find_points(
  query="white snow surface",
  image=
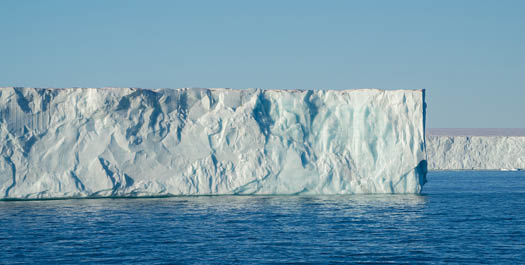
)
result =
(112, 142)
(459, 152)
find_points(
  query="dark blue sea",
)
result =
(461, 217)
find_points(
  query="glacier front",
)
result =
(476, 149)
(127, 142)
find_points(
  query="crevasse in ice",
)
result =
(80, 142)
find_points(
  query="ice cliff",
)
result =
(80, 142)
(492, 149)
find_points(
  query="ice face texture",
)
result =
(458, 152)
(77, 142)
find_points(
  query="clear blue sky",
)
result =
(469, 55)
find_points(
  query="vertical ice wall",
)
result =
(137, 142)
(476, 149)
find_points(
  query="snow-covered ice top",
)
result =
(78, 142)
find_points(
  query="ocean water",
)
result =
(461, 217)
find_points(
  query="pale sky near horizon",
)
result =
(468, 55)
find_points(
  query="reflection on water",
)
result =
(456, 220)
(343, 204)
(225, 203)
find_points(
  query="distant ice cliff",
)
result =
(476, 149)
(60, 143)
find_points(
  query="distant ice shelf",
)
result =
(80, 142)
(476, 149)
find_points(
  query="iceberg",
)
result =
(130, 142)
(476, 149)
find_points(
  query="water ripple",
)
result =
(453, 222)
